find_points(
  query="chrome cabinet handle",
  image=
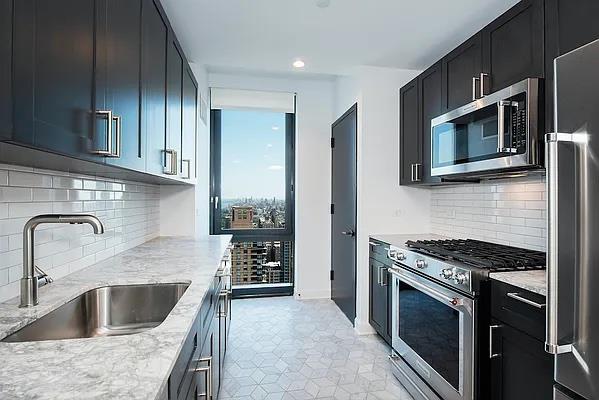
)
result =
(109, 119)
(491, 329)
(208, 371)
(374, 244)
(188, 162)
(517, 296)
(484, 77)
(475, 87)
(119, 130)
(382, 281)
(415, 175)
(224, 293)
(349, 233)
(171, 162)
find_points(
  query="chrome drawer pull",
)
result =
(208, 370)
(517, 296)
(491, 329)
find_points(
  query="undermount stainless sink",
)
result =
(105, 311)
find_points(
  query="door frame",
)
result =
(353, 108)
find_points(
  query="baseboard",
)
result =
(363, 327)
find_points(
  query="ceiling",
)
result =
(268, 35)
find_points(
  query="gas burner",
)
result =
(491, 256)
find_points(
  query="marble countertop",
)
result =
(533, 281)
(119, 367)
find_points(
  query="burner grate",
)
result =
(491, 256)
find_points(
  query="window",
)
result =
(252, 193)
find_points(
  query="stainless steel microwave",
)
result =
(492, 135)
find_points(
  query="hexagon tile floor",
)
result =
(286, 349)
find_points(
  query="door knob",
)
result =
(349, 233)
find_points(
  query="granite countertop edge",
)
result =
(119, 367)
(533, 281)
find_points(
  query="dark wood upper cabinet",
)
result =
(174, 99)
(568, 25)
(431, 95)
(513, 46)
(190, 126)
(460, 69)
(118, 78)
(155, 35)
(5, 69)
(409, 135)
(53, 75)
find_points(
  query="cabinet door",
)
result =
(190, 126)
(460, 68)
(153, 117)
(409, 134)
(174, 99)
(5, 69)
(431, 97)
(567, 27)
(513, 46)
(121, 64)
(378, 298)
(53, 75)
(521, 369)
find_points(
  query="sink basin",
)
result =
(105, 311)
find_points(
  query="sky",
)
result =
(253, 154)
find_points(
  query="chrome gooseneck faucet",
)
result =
(29, 282)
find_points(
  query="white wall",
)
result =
(383, 206)
(313, 169)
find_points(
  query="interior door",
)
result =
(572, 327)
(343, 213)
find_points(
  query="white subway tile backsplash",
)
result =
(130, 212)
(511, 212)
(29, 179)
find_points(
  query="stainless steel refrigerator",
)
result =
(573, 237)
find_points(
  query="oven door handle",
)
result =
(454, 301)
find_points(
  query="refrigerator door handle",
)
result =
(552, 340)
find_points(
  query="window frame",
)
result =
(215, 183)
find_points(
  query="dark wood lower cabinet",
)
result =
(198, 372)
(521, 369)
(379, 313)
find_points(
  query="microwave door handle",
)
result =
(501, 108)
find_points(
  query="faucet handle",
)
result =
(42, 277)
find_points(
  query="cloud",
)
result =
(275, 167)
(269, 145)
(275, 128)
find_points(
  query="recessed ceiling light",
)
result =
(298, 64)
(323, 3)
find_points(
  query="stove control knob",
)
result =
(460, 278)
(420, 263)
(446, 273)
(400, 256)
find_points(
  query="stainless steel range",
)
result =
(438, 304)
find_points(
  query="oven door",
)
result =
(433, 331)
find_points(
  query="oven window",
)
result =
(432, 330)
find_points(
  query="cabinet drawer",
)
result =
(519, 308)
(182, 373)
(378, 251)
